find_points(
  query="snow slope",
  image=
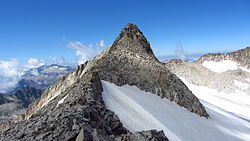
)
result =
(139, 110)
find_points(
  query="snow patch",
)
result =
(35, 72)
(61, 101)
(139, 110)
(248, 79)
(244, 69)
(241, 85)
(138, 56)
(221, 66)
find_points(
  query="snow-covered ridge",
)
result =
(139, 110)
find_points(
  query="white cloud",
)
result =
(84, 52)
(10, 73)
(33, 63)
(100, 44)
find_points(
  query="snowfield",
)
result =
(221, 66)
(241, 85)
(138, 110)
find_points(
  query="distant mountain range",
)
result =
(41, 77)
(29, 88)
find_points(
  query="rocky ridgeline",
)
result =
(241, 56)
(195, 73)
(73, 109)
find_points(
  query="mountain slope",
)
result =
(223, 72)
(222, 83)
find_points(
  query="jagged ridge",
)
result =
(241, 56)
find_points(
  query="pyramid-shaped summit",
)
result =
(130, 60)
(131, 39)
(73, 108)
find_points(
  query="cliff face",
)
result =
(73, 106)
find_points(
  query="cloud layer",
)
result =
(11, 72)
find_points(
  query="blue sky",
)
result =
(41, 28)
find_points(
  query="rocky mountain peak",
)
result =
(129, 61)
(132, 40)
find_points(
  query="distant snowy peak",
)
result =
(43, 76)
(47, 69)
(241, 56)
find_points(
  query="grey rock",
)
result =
(151, 135)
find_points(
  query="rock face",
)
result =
(73, 109)
(241, 56)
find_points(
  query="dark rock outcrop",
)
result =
(3, 99)
(16, 103)
(27, 95)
